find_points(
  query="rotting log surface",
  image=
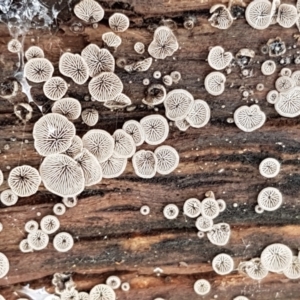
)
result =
(111, 236)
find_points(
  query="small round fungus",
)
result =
(102, 292)
(276, 257)
(157, 74)
(145, 210)
(146, 81)
(100, 143)
(55, 88)
(286, 72)
(25, 247)
(62, 175)
(156, 94)
(114, 282)
(105, 86)
(59, 209)
(1, 227)
(241, 298)
(69, 294)
(272, 96)
(139, 48)
(249, 118)
(1, 177)
(156, 129)
(215, 83)
(171, 211)
(76, 147)
(287, 15)
(269, 199)
(121, 101)
(68, 107)
(288, 104)
(260, 87)
(202, 287)
(293, 269)
(111, 39)
(210, 208)
(135, 129)
(70, 201)
(258, 14)
(124, 144)
(167, 80)
(14, 46)
(192, 208)
(204, 223)
(4, 265)
(255, 270)
(63, 242)
(269, 167)
(176, 76)
(24, 181)
(38, 239)
(167, 159)
(89, 11)
(268, 67)
(34, 52)
(296, 77)
(182, 125)
(8, 197)
(38, 70)
(258, 209)
(83, 296)
(219, 235)
(222, 204)
(125, 286)
(118, 22)
(221, 17)
(199, 114)
(284, 84)
(49, 224)
(144, 163)
(218, 59)
(139, 66)
(223, 264)
(90, 116)
(113, 167)
(31, 226)
(178, 104)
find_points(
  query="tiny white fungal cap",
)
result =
(102, 290)
(111, 39)
(215, 83)
(164, 43)
(69, 294)
(69, 201)
(8, 197)
(288, 104)
(176, 76)
(139, 48)
(34, 52)
(124, 144)
(156, 129)
(284, 84)
(204, 223)
(114, 282)
(90, 116)
(62, 175)
(296, 77)
(221, 17)
(59, 209)
(1, 177)
(89, 11)
(254, 269)
(167, 80)
(269, 167)
(145, 210)
(286, 72)
(90, 166)
(260, 87)
(38, 239)
(98, 60)
(24, 181)
(202, 287)
(167, 159)
(269, 199)
(268, 67)
(200, 234)
(223, 264)
(157, 74)
(139, 66)
(293, 269)
(218, 59)
(144, 163)
(76, 147)
(83, 296)
(125, 286)
(134, 128)
(49, 224)
(53, 133)
(14, 46)
(146, 81)
(249, 118)
(171, 211)
(1, 226)
(113, 167)
(118, 22)
(119, 102)
(4, 265)
(63, 242)
(100, 143)
(276, 257)
(38, 70)
(219, 235)
(258, 209)
(182, 125)
(55, 88)
(199, 115)
(287, 15)
(178, 104)
(105, 86)
(192, 208)
(258, 14)
(31, 226)
(222, 204)
(272, 96)
(241, 298)
(25, 247)
(156, 94)
(210, 208)
(68, 107)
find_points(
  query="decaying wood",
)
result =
(111, 236)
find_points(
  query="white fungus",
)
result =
(157, 74)
(192, 207)
(258, 14)
(258, 209)
(167, 159)
(118, 22)
(145, 210)
(59, 209)
(214, 83)
(176, 76)
(113, 167)
(219, 235)
(296, 77)
(120, 102)
(125, 286)
(222, 204)
(288, 104)
(269, 199)
(70, 201)
(31, 226)
(171, 211)
(223, 264)
(49, 224)
(139, 48)
(8, 197)
(124, 145)
(83, 296)
(286, 72)
(134, 128)
(89, 11)
(111, 39)
(221, 17)
(254, 269)
(156, 94)
(34, 52)
(199, 115)
(272, 96)
(4, 265)
(218, 59)
(210, 208)
(240, 298)
(204, 223)
(144, 163)
(69, 294)
(139, 66)
(268, 67)
(167, 80)
(269, 167)
(38, 70)
(114, 282)
(293, 269)
(202, 287)
(287, 15)
(76, 147)
(68, 107)
(102, 291)
(14, 46)
(63, 242)
(38, 239)
(25, 247)
(1, 177)
(55, 88)
(284, 84)
(90, 116)
(182, 125)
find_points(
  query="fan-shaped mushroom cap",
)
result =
(55, 88)
(4, 265)
(113, 281)
(199, 114)
(269, 167)
(119, 102)
(49, 224)
(118, 22)
(70, 201)
(105, 86)
(124, 144)
(219, 235)
(98, 60)
(296, 77)
(59, 209)
(156, 94)
(91, 167)
(102, 290)
(14, 46)
(63, 242)
(83, 296)
(38, 70)
(182, 125)
(89, 11)
(204, 224)
(68, 294)
(113, 167)
(76, 147)
(249, 118)
(156, 129)
(288, 104)
(269, 199)
(53, 133)
(210, 208)
(284, 84)
(38, 239)
(125, 286)
(223, 264)
(202, 287)
(135, 129)
(171, 211)
(164, 43)
(218, 59)
(192, 208)
(111, 39)
(272, 96)
(74, 66)
(215, 83)
(167, 80)
(259, 14)
(293, 269)
(8, 197)
(221, 17)
(139, 66)
(25, 248)
(139, 48)
(167, 159)
(176, 76)
(144, 163)
(68, 107)
(62, 175)
(254, 269)
(24, 180)
(286, 72)
(287, 15)
(34, 52)
(31, 226)
(178, 104)
(100, 143)
(90, 116)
